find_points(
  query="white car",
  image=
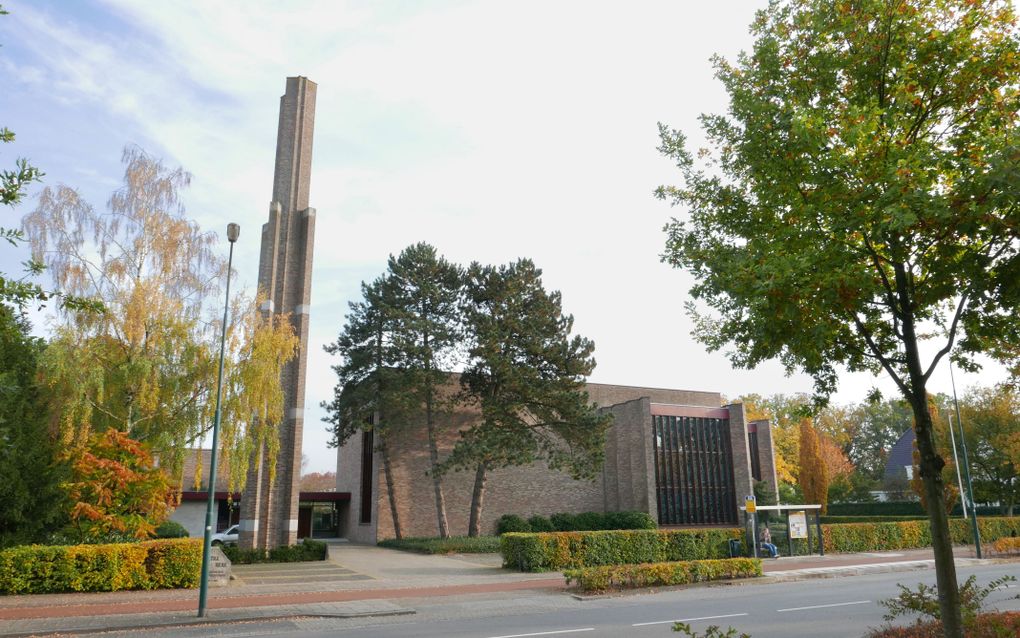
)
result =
(226, 537)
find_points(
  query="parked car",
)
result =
(226, 537)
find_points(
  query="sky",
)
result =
(492, 130)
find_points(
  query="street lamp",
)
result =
(233, 230)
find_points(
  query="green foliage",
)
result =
(512, 523)
(451, 545)
(858, 197)
(924, 601)
(607, 577)
(871, 519)
(539, 524)
(877, 537)
(894, 508)
(573, 550)
(712, 631)
(171, 529)
(162, 564)
(583, 522)
(32, 502)
(306, 550)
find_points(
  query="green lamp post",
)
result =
(233, 230)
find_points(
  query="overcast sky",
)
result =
(492, 130)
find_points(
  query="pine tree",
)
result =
(527, 374)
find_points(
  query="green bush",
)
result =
(306, 550)
(540, 524)
(874, 537)
(171, 529)
(511, 523)
(160, 564)
(452, 545)
(895, 508)
(606, 577)
(870, 519)
(564, 522)
(574, 550)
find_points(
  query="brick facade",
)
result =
(627, 481)
(269, 516)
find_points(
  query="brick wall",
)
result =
(766, 455)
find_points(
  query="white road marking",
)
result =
(663, 622)
(547, 633)
(856, 602)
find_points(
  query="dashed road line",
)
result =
(855, 602)
(663, 622)
(547, 633)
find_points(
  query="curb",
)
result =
(204, 622)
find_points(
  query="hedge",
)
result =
(452, 545)
(870, 519)
(583, 522)
(994, 624)
(607, 577)
(874, 537)
(306, 550)
(896, 508)
(161, 564)
(1007, 545)
(573, 550)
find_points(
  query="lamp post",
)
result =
(966, 469)
(233, 230)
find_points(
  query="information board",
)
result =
(798, 524)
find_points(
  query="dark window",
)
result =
(366, 476)
(752, 443)
(694, 482)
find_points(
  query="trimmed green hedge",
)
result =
(870, 519)
(306, 550)
(161, 564)
(605, 577)
(573, 550)
(896, 508)
(452, 545)
(874, 537)
(583, 522)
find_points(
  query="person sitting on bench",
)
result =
(765, 539)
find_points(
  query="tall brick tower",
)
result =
(269, 509)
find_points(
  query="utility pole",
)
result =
(966, 468)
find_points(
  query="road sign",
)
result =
(749, 504)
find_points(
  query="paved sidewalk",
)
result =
(358, 580)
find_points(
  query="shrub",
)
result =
(563, 522)
(894, 508)
(541, 524)
(872, 537)
(870, 519)
(574, 550)
(306, 550)
(511, 523)
(1007, 545)
(990, 625)
(605, 577)
(589, 521)
(161, 564)
(630, 520)
(452, 545)
(171, 529)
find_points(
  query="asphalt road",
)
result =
(836, 607)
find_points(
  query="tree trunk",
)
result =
(384, 450)
(437, 481)
(931, 470)
(477, 498)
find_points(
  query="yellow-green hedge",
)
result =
(1007, 545)
(605, 577)
(873, 537)
(161, 564)
(573, 550)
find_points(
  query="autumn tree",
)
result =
(859, 197)
(814, 475)
(526, 372)
(115, 490)
(146, 366)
